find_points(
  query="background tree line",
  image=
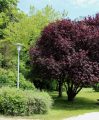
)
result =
(18, 27)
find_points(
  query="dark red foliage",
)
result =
(92, 21)
(69, 51)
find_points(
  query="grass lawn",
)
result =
(85, 102)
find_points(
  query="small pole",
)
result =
(19, 46)
(18, 69)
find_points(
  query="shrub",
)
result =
(9, 78)
(27, 102)
(38, 102)
(25, 84)
(1, 59)
(12, 101)
(96, 87)
(3, 77)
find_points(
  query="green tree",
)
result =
(8, 13)
(28, 30)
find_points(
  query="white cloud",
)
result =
(85, 2)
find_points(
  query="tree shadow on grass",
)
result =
(80, 103)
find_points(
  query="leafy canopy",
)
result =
(68, 51)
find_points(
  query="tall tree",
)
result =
(64, 52)
(28, 30)
(9, 14)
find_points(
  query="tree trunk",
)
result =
(72, 89)
(71, 95)
(60, 84)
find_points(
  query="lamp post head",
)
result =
(19, 46)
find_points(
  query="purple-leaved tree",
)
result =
(68, 51)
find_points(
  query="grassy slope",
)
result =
(84, 102)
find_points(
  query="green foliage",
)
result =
(28, 30)
(12, 101)
(40, 101)
(6, 53)
(42, 84)
(6, 5)
(96, 87)
(1, 59)
(18, 102)
(8, 13)
(24, 84)
(9, 78)
(3, 77)
(15, 27)
(25, 31)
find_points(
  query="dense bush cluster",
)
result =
(9, 78)
(96, 87)
(19, 102)
(12, 101)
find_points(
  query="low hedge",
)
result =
(27, 102)
(96, 87)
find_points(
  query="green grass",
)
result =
(84, 102)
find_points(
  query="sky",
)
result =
(75, 8)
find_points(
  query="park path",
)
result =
(87, 116)
(2, 118)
